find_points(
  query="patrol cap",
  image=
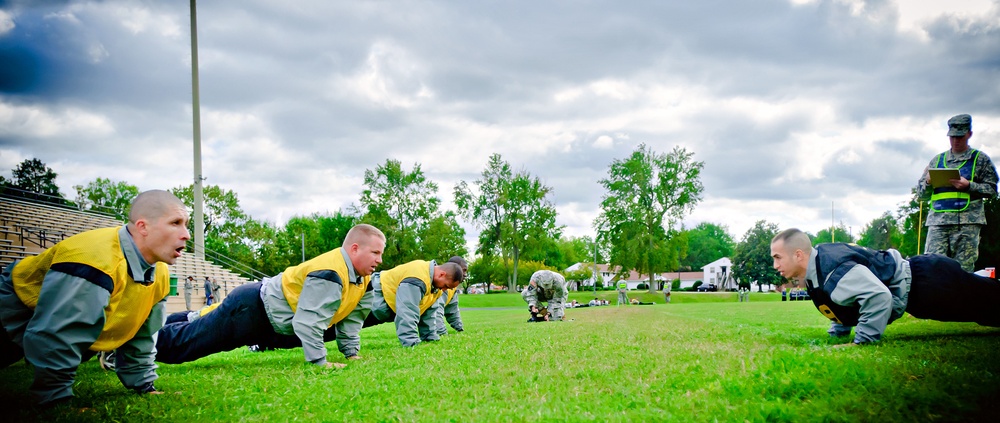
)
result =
(959, 125)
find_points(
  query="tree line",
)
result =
(647, 194)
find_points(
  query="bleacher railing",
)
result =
(45, 238)
(41, 237)
(35, 198)
(230, 263)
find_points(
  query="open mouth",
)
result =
(179, 251)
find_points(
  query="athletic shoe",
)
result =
(107, 360)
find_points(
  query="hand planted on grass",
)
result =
(330, 365)
(847, 345)
(354, 357)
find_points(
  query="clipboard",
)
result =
(940, 177)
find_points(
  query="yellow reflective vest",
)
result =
(417, 269)
(293, 278)
(97, 257)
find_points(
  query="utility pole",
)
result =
(199, 218)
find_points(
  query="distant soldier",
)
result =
(957, 212)
(549, 287)
(666, 292)
(408, 294)
(208, 292)
(215, 290)
(188, 287)
(448, 303)
(622, 293)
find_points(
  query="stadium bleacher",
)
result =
(28, 228)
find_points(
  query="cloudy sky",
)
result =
(793, 105)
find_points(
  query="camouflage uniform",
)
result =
(547, 286)
(956, 234)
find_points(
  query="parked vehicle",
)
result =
(708, 288)
(798, 295)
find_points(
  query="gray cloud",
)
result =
(294, 95)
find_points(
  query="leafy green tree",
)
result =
(263, 250)
(107, 196)
(577, 277)
(707, 242)
(577, 250)
(232, 235)
(881, 233)
(840, 234)
(34, 180)
(512, 211)
(648, 192)
(333, 229)
(223, 214)
(752, 260)
(486, 207)
(485, 270)
(404, 205)
(400, 203)
(912, 216)
(443, 238)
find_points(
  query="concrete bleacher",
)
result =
(28, 228)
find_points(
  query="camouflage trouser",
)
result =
(960, 242)
(556, 310)
(622, 297)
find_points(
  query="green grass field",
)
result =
(687, 361)
(583, 297)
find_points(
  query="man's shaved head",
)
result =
(454, 271)
(794, 239)
(361, 234)
(152, 205)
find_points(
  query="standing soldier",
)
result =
(208, 292)
(666, 291)
(188, 287)
(215, 290)
(546, 286)
(957, 213)
(622, 292)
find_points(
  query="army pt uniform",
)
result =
(549, 287)
(89, 293)
(956, 217)
(449, 311)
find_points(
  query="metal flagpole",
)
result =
(199, 219)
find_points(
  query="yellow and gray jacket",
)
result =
(406, 295)
(448, 310)
(88, 293)
(307, 299)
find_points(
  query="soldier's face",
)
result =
(961, 143)
(443, 282)
(789, 264)
(367, 256)
(163, 239)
